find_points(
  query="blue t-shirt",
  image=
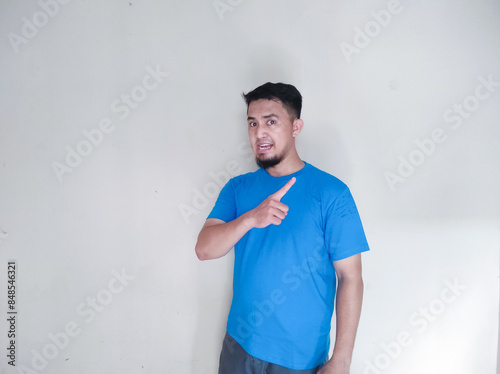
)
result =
(284, 282)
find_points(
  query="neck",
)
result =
(289, 165)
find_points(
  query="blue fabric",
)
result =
(284, 282)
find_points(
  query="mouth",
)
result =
(264, 147)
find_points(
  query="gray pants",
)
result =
(234, 360)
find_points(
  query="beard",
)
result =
(270, 162)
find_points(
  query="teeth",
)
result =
(264, 145)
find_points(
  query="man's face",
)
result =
(270, 131)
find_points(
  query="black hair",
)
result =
(286, 93)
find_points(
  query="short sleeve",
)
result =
(225, 206)
(344, 234)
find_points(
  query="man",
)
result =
(294, 228)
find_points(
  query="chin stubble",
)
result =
(265, 164)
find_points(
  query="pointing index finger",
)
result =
(278, 195)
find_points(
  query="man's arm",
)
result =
(348, 310)
(217, 237)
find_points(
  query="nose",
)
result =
(261, 132)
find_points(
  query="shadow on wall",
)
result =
(322, 145)
(214, 301)
(270, 64)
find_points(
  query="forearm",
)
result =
(348, 310)
(217, 240)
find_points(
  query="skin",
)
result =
(348, 310)
(270, 123)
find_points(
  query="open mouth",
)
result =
(264, 147)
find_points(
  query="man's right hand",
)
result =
(217, 237)
(271, 210)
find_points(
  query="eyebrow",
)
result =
(266, 116)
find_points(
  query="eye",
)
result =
(271, 122)
(252, 124)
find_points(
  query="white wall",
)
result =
(118, 208)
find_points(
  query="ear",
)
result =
(297, 126)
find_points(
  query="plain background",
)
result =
(136, 201)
